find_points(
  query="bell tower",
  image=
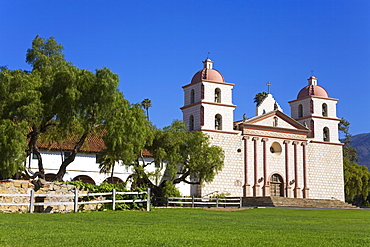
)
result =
(314, 109)
(208, 101)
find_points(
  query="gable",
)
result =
(275, 121)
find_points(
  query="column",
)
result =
(296, 187)
(305, 188)
(266, 185)
(256, 187)
(246, 191)
(288, 188)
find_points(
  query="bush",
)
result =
(106, 187)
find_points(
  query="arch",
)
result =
(113, 180)
(217, 95)
(312, 128)
(326, 135)
(191, 123)
(85, 179)
(300, 111)
(275, 149)
(192, 96)
(218, 122)
(49, 176)
(276, 185)
(324, 110)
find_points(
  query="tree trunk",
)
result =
(63, 168)
(33, 149)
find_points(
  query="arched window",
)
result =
(191, 123)
(326, 136)
(218, 122)
(311, 107)
(192, 96)
(312, 128)
(218, 95)
(300, 111)
(324, 110)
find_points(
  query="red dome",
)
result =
(207, 75)
(312, 90)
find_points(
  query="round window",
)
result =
(275, 148)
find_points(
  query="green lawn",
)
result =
(189, 227)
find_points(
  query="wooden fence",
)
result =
(75, 199)
(235, 202)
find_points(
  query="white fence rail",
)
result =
(75, 199)
(199, 202)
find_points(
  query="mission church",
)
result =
(271, 154)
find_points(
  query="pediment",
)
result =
(274, 120)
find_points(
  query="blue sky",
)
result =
(157, 46)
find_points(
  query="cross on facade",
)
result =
(312, 72)
(268, 87)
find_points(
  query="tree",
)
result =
(188, 158)
(146, 103)
(356, 177)
(349, 152)
(356, 182)
(259, 98)
(57, 100)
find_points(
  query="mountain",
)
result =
(362, 143)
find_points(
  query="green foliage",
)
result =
(220, 195)
(12, 146)
(57, 101)
(356, 182)
(146, 104)
(356, 177)
(107, 187)
(170, 190)
(349, 152)
(188, 155)
(259, 98)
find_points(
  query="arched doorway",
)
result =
(49, 176)
(276, 185)
(85, 179)
(113, 180)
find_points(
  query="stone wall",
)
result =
(50, 189)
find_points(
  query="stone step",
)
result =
(273, 201)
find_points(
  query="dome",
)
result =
(312, 90)
(207, 74)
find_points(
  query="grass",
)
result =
(189, 227)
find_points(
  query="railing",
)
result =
(198, 202)
(75, 199)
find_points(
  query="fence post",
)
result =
(148, 200)
(216, 202)
(192, 201)
(241, 202)
(114, 199)
(32, 200)
(167, 202)
(76, 201)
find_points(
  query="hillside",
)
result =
(362, 143)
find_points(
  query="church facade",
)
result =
(271, 154)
